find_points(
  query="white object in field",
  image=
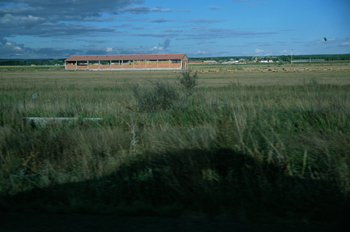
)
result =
(35, 95)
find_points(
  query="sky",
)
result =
(32, 29)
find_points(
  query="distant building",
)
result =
(227, 62)
(127, 62)
(195, 61)
(210, 61)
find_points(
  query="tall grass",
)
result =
(248, 150)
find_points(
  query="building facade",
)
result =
(127, 62)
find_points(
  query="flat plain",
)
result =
(251, 142)
(210, 75)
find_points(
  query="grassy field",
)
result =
(255, 142)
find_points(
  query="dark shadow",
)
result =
(214, 182)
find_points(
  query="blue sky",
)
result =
(58, 29)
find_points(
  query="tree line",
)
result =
(25, 62)
(286, 58)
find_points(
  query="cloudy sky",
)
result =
(58, 29)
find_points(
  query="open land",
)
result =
(262, 143)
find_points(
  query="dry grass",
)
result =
(248, 75)
(251, 142)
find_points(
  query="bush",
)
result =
(163, 95)
(158, 96)
(189, 81)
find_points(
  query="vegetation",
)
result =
(11, 62)
(189, 82)
(245, 149)
(160, 96)
(285, 58)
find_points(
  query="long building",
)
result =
(127, 62)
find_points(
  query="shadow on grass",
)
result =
(214, 182)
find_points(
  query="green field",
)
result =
(250, 141)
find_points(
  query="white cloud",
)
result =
(109, 49)
(345, 44)
(162, 46)
(200, 52)
(24, 21)
(147, 9)
(156, 48)
(214, 7)
(258, 50)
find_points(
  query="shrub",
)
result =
(158, 96)
(189, 81)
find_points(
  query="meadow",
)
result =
(254, 142)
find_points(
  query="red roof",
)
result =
(128, 57)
